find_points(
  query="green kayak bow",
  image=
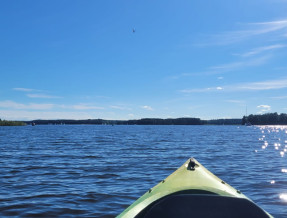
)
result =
(193, 191)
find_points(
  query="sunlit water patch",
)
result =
(276, 154)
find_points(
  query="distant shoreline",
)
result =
(145, 121)
(263, 119)
(12, 123)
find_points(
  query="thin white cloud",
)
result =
(263, 108)
(35, 93)
(265, 27)
(279, 97)
(240, 64)
(225, 68)
(262, 49)
(229, 66)
(182, 75)
(194, 107)
(250, 30)
(91, 97)
(19, 106)
(86, 107)
(41, 96)
(119, 107)
(264, 85)
(26, 90)
(210, 89)
(240, 102)
(32, 115)
(252, 86)
(148, 108)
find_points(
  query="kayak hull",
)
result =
(193, 189)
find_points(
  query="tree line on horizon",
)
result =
(144, 121)
(11, 123)
(262, 119)
(266, 119)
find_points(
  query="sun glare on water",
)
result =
(279, 145)
(276, 136)
(283, 197)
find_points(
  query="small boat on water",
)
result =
(193, 191)
(248, 124)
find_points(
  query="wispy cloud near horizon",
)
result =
(263, 108)
(264, 85)
(240, 102)
(248, 31)
(26, 90)
(42, 96)
(86, 107)
(35, 93)
(119, 107)
(251, 86)
(226, 68)
(240, 64)
(210, 89)
(262, 49)
(34, 106)
(148, 108)
(279, 97)
(48, 115)
(19, 106)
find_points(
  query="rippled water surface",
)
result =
(97, 171)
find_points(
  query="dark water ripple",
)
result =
(97, 171)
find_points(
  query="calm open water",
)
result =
(97, 171)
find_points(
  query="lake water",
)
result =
(97, 171)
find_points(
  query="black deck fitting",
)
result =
(191, 165)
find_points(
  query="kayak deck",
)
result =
(193, 191)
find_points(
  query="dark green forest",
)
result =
(263, 119)
(145, 121)
(266, 119)
(11, 123)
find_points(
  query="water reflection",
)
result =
(276, 136)
(283, 197)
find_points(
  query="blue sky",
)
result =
(69, 59)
